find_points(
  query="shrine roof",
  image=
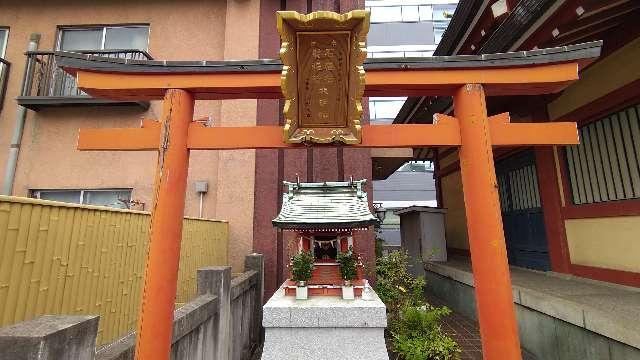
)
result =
(581, 53)
(328, 205)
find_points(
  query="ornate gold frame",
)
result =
(290, 23)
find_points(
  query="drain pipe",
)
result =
(21, 116)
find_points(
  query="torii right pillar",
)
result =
(496, 313)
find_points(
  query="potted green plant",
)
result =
(348, 270)
(301, 269)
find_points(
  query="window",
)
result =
(115, 198)
(402, 29)
(438, 31)
(442, 15)
(384, 109)
(518, 189)
(417, 166)
(605, 166)
(443, 12)
(386, 14)
(4, 65)
(4, 36)
(377, 51)
(409, 11)
(104, 38)
(134, 37)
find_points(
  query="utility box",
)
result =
(201, 186)
(422, 235)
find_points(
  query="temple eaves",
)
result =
(328, 205)
(584, 54)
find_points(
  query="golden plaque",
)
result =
(322, 75)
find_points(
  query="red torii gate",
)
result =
(468, 79)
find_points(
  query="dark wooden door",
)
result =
(522, 211)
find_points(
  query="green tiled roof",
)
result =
(329, 205)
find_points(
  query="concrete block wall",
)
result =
(223, 322)
(50, 337)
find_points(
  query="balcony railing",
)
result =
(4, 77)
(46, 84)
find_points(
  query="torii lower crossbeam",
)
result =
(444, 132)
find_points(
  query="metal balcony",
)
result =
(47, 85)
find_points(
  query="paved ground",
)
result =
(466, 333)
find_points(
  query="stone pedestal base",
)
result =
(323, 327)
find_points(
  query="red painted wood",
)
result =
(344, 244)
(604, 209)
(614, 276)
(564, 14)
(493, 291)
(487, 23)
(551, 209)
(325, 275)
(306, 243)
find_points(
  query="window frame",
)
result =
(36, 194)
(5, 65)
(422, 16)
(103, 27)
(3, 45)
(623, 207)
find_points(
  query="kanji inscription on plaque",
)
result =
(323, 79)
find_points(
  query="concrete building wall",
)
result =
(185, 30)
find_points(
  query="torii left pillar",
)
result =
(155, 323)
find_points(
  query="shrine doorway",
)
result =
(522, 214)
(325, 248)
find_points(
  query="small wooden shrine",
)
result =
(325, 217)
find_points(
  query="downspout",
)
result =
(21, 116)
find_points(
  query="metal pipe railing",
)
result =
(51, 81)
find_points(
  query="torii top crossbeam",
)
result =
(467, 78)
(542, 71)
